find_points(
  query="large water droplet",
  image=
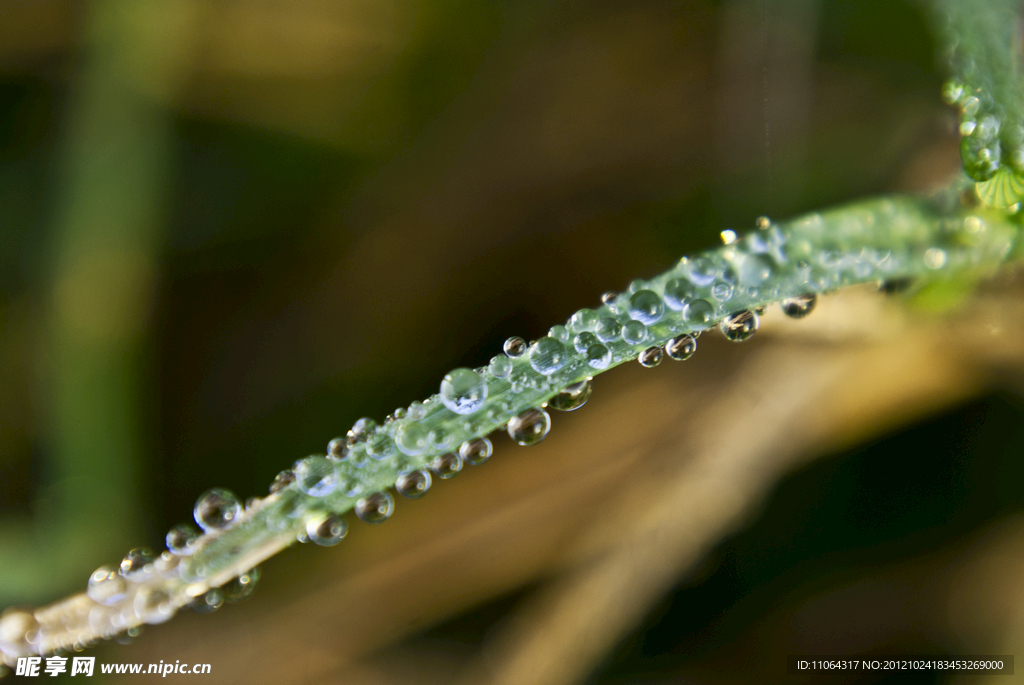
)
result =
(106, 586)
(754, 269)
(740, 326)
(530, 427)
(208, 602)
(137, 563)
(634, 332)
(216, 509)
(608, 329)
(316, 476)
(701, 270)
(559, 333)
(327, 530)
(361, 429)
(153, 605)
(699, 314)
(500, 366)
(18, 631)
(463, 391)
(181, 539)
(598, 356)
(800, 306)
(681, 347)
(583, 341)
(547, 355)
(477, 451)
(414, 484)
(242, 587)
(646, 307)
(650, 357)
(678, 292)
(583, 320)
(375, 508)
(447, 465)
(411, 439)
(337, 449)
(514, 347)
(380, 446)
(572, 397)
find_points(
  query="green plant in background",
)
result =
(941, 245)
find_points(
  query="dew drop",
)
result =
(417, 410)
(282, 480)
(701, 270)
(699, 314)
(721, 291)
(678, 292)
(763, 223)
(598, 356)
(327, 531)
(208, 602)
(754, 269)
(153, 605)
(608, 330)
(500, 366)
(316, 476)
(650, 357)
(361, 430)
(18, 630)
(572, 397)
(380, 446)
(477, 451)
(935, 258)
(137, 563)
(681, 347)
(463, 391)
(106, 586)
(608, 298)
(800, 306)
(559, 333)
(337, 449)
(414, 484)
(583, 341)
(740, 326)
(375, 508)
(514, 347)
(181, 539)
(547, 355)
(583, 320)
(411, 439)
(634, 332)
(530, 427)
(646, 307)
(241, 587)
(446, 465)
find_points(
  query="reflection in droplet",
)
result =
(598, 356)
(547, 355)
(634, 332)
(327, 530)
(216, 509)
(740, 326)
(208, 602)
(681, 347)
(500, 366)
(181, 539)
(559, 333)
(699, 314)
(650, 357)
(282, 480)
(375, 508)
(583, 320)
(646, 307)
(572, 397)
(411, 439)
(241, 587)
(678, 292)
(106, 586)
(361, 430)
(477, 451)
(530, 427)
(514, 347)
(800, 306)
(137, 563)
(583, 341)
(447, 465)
(337, 449)
(463, 391)
(153, 605)
(608, 330)
(316, 476)
(701, 270)
(414, 484)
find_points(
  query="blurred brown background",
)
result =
(229, 229)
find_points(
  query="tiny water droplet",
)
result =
(608, 330)
(411, 439)
(701, 270)
(414, 484)
(530, 427)
(500, 366)
(763, 223)
(375, 508)
(559, 333)
(678, 292)
(650, 357)
(399, 413)
(721, 291)
(634, 332)
(137, 563)
(514, 347)
(326, 531)
(337, 449)
(153, 605)
(282, 480)
(583, 341)
(800, 306)
(463, 391)
(547, 355)
(417, 410)
(208, 602)
(598, 356)
(572, 397)
(699, 314)
(740, 326)
(608, 298)
(477, 451)
(447, 465)
(241, 587)
(181, 539)
(646, 307)
(361, 430)
(106, 586)
(681, 347)
(583, 320)
(316, 476)
(728, 236)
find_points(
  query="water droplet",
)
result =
(153, 605)
(721, 291)
(646, 307)
(598, 356)
(754, 269)
(106, 586)
(681, 347)
(397, 414)
(514, 347)
(583, 341)
(137, 563)
(361, 430)
(970, 106)
(650, 357)
(740, 326)
(316, 476)
(463, 391)
(800, 306)
(678, 292)
(763, 223)
(411, 439)
(559, 333)
(572, 397)
(208, 602)
(634, 332)
(337, 449)
(608, 330)
(583, 320)
(380, 446)
(326, 531)
(608, 298)
(952, 91)
(447, 465)
(547, 355)
(282, 480)
(701, 270)
(935, 258)
(530, 427)
(500, 366)
(18, 630)
(728, 236)
(413, 485)
(894, 286)
(241, 587)
(699, 314)
(475, 452)
(375, 508)
(181, 539)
